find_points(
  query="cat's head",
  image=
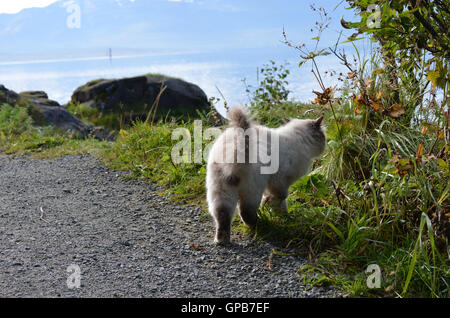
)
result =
(317, 131)
(310, 131)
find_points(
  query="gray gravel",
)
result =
(127, 240)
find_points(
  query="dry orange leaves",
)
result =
(324, 97)
(395, 111)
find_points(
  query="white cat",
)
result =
(241, 181)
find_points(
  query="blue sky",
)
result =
(169, 24)
(209, 42)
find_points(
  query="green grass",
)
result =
(122, 117)
(95, 117)
(19, 136)
(162, 75)
(274, 117)
(93, 82)
(146, 151)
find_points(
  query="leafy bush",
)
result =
(271, 92)
(13, 121)
(386, 172)
(93, 116)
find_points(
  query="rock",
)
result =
(59, 117)
(8, 96)
(136, 95)
(48, 112)
(35, 94)
(38, 97)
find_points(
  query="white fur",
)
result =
(243, 184)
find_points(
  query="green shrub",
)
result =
(270, 94)
(14, 121)
(95, 117)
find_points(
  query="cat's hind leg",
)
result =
(222, 205)
(249, 203)
(277, 199)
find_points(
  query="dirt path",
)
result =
(125, 239)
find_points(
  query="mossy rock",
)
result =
(135, 97)
(46, 112)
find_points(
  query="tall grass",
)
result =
(389, 175)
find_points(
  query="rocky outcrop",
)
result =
(136, 95)
(8, 96)
(45, 111)
(115, 102)
(38, 98)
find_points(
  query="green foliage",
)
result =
(13, 121)
(386, 171)
(95, 117)
(19, 136)
(271, 92)
(398, 24)
(413, 37)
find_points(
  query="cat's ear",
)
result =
(318, 121)
(285, 120)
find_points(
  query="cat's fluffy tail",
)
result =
(239, 119)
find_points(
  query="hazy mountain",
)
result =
(140, 25)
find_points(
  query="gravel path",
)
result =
(125, 238)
